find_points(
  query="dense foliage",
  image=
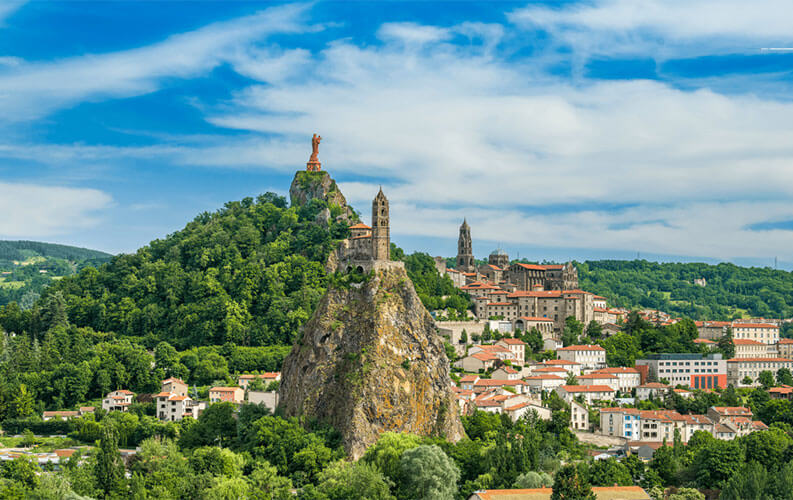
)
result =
(731, 291)
(27, 267)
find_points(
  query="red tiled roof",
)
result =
(552, 362)
(544, 377)
(585, 347)
(754, 325)
(595, 376)
(360, 225)
(469, 378)
(531, 267)
(746, 342)
(617, 369)
(654, 385)
(587, 388)
(786, 341)
(224, 389)
(732, 410)
(703, 341)
(740, 360)
(535, 318)
(513, 341)
(548, 369)
(174, 379)
(484, 356)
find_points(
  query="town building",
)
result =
(740, 368)
(174, 386)
(747, 348)
(591, 357)
(118, 400)
(221, 394)
(653, 390)
(601, 492)
(692, 370)
(173, 407)
(588, 393)
(761, 332)
(785, 348)
(629, 378)
(369, 247)
(267, 378)
(516, 346)
(579, 416)
(544, 382)
(712, 330)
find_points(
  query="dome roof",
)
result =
(498, 251)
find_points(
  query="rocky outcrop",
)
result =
(370, 361)
(307, 186)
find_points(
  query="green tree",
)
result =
(533, 479)
(784, 377)
(609, 473)
(622, 349)
(766, 379)
(749, 484)
(767, 448)
(570, 485)
(216, 462)
(266, 484)
(426, 472)
(342, 480)
(594, 330)
(109, 469)
(216, 426)
(387, 452)
(726, 345)
(22, 471)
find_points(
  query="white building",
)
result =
(591, 357)
(739, 368)
(589, 393)
(629, 378)
(579, 417)
(761, 332)
(118, 400)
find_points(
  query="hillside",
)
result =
(731, 291)
(27, 267)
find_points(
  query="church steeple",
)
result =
(381, 237)
(465, 254)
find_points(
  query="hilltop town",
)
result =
(535, 381)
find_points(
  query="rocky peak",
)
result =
(319, 185)
(370, 361)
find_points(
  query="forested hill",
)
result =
(23, 250)
(27, 267)
(250, 273)
(731, 291)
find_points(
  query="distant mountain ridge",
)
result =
(21, 250)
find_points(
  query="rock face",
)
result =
(307, 186)
(370, 361)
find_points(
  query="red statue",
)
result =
(313, 164)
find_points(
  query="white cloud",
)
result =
(34, 211)
(31, 90)
(8, 7)
(663, 26)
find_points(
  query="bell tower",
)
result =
(465, 254)
(381, 239)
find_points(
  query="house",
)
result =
(477, 362)
(694, 423)
(601, 493)
(267, 378)
(516, 411)
(487, 384)
(722, 414)
(505, 373)
(651, 389)
(232, 394)
(588, 392)
(711, 345)
(579, 417)
(518, 348)
(544, 382)
(59, 415)
(570, 366)
(782, 392)
(175, 386)
(174, 407)
(85, 410)
(599, 379)
(592, 357)
(725, 431)
(268, 399)
(118, 400)
(629, 378)
(467, 382)
(785, 348)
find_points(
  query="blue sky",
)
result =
(560, 129)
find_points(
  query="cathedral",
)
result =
(527, 277)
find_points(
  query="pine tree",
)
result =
(109, 469)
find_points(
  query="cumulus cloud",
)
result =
(30, 90)
(34, 211)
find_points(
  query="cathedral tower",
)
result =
(381, 240)
(465, 255)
